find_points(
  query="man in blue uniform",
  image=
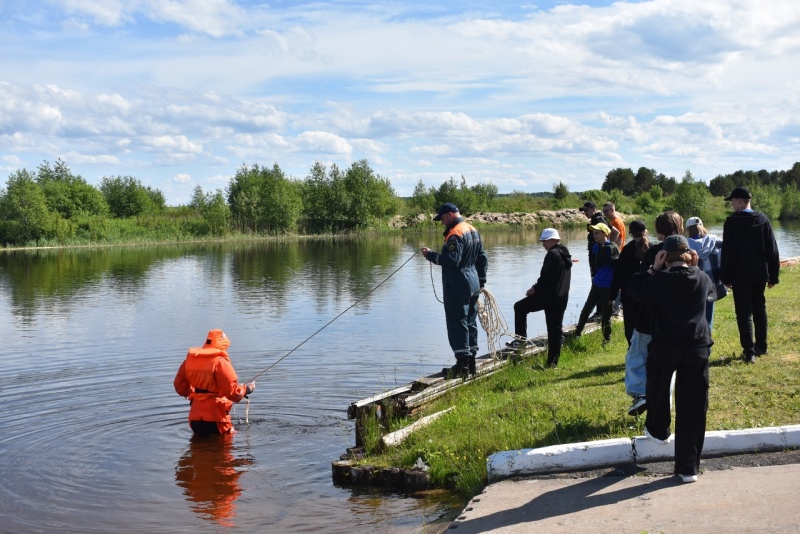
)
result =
(464, 266)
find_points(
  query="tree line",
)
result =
(54, 206)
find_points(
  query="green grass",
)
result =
(527, 406)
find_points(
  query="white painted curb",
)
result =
(604, 453)
(559, 458)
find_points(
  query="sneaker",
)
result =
(639, 406)
(617, 312)
(516, 343)
(688, 478)
(749, 356)
(594, 317)
(760, 352)
(656, 440)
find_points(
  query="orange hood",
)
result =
(217, 339)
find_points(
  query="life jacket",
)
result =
(212, 386)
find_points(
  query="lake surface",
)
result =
(93, 437)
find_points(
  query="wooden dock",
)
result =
(408, 399)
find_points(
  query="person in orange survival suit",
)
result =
(208, 380)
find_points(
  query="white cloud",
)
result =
(518, 96)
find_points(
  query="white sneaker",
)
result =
(688, 478)
(658, 441)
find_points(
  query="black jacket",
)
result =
(644, 314)
(627, 265)
(677, 298)
(750, 254)
(555, 276)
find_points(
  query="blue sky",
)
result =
(180, 93)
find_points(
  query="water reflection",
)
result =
(209, 474)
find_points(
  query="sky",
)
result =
(523, 95)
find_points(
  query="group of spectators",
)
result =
(667, 290)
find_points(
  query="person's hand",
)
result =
(695, 259)
(425, 251)
(660, 260)
(531, 292)
(249, 388)
(770, 286)
(482, 282)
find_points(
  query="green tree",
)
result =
(264, 200)
(24, 215)
(337, 201)
(691, 197)
(560, 193)
(622, 179)
(127, 197)
(460, 195)
(423, 198)
(68, 194)
(644, 179)
(484, 194)
(217, 213)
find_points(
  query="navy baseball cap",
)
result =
(448, 207)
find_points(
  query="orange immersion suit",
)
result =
(208, 380)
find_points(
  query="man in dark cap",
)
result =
(750, 263)
(464, 266)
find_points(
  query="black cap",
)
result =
(588, 204)
(448, 207)
(637, 227)
(740, 192)
(675, 243)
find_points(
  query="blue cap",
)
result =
(449, 207)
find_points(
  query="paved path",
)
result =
(738, 494)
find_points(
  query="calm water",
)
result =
(94, 439)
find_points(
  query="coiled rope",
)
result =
(491, 318)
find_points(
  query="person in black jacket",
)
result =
(550, 293)
(750, 263)
(667, 223)
(680, 344)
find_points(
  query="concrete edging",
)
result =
(639, 449)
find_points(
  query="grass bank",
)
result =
(527, 406)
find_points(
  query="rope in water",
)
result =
(332, 320)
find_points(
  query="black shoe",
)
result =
(749, 356)
(517, 343)
(639, 406)
(457, 371)
(473, 369)
(760, 351)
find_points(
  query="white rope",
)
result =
(493, 321)
(491, 318)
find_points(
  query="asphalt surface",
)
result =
(739, 493)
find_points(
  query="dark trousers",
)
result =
(462, 326)
(751, 310)
(691, 400)
(553, 316)
(598, 296)
(204, 428)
